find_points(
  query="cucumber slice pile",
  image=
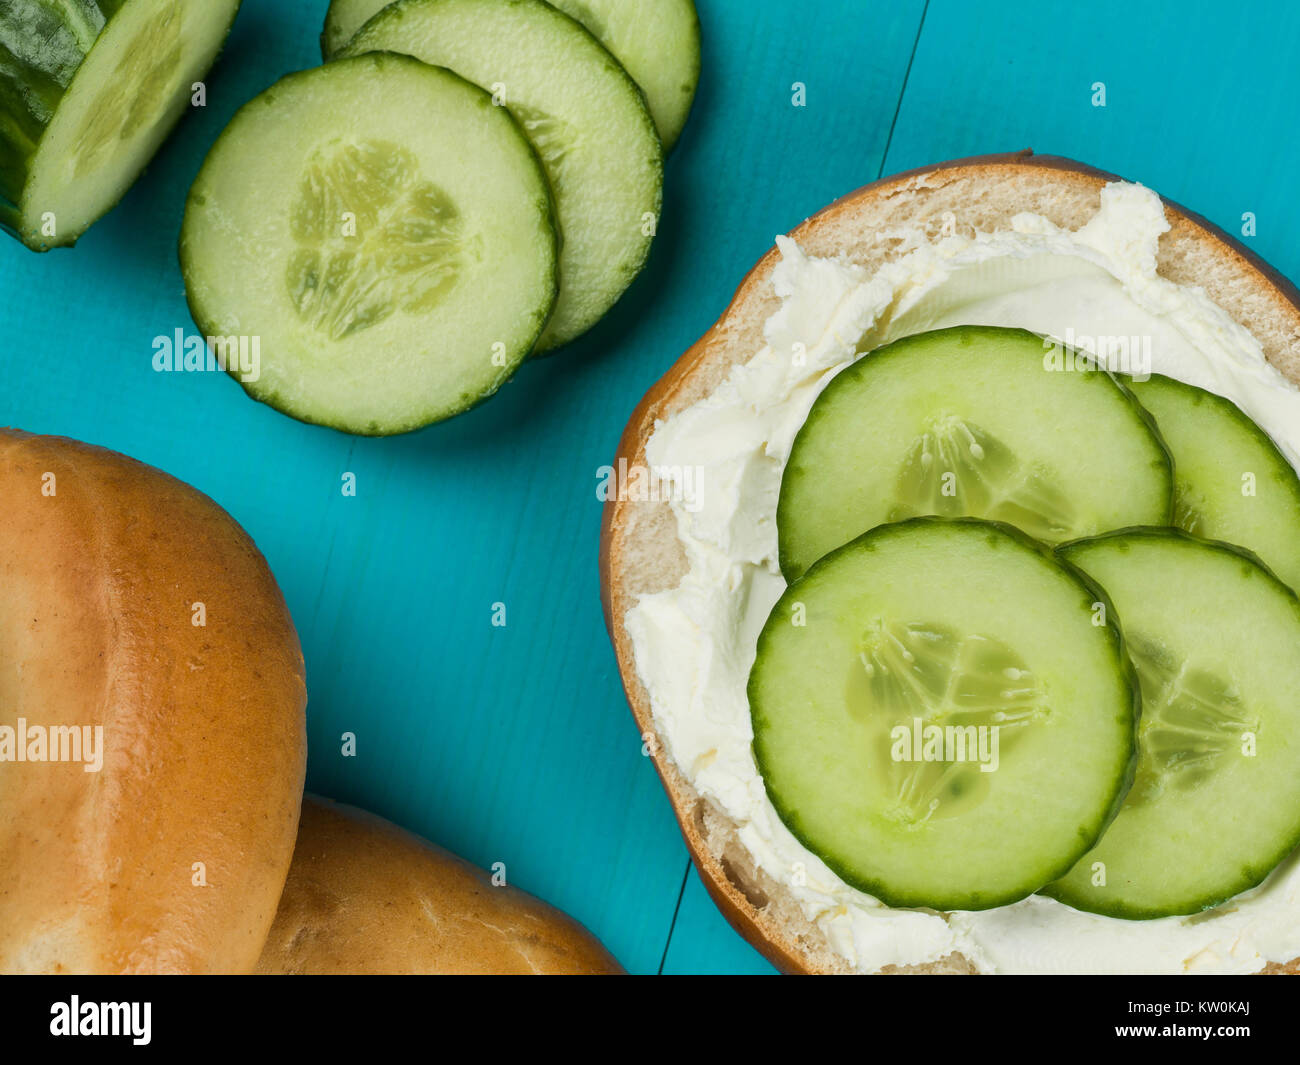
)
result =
(586, 117)
(1232, 482)
(1216, 802)
(385, 232)
(917, 630)
(952, 621)
(657, 41)
(88, 91)
(968, 421)
(397, 250)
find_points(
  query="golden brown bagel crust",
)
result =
(366, 898)
(203, 727)
(639, 550)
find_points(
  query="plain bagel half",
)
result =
(366, 898)
(641, 554)
(140, 628)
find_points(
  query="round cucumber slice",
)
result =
(657, 41)
(385, 235)
(940, 715)
(88, 91)
(1216, 801)
(1231, 481)
(586, 117)
(969, 421)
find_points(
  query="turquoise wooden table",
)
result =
(512, 743)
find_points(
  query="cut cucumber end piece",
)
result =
(386, 235)
(1216, 801)
(1232, 482)
(970, 421)
(585, 116)
(939, 716)
(88, 92)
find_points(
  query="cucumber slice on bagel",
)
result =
(643, 556)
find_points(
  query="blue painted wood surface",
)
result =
(513, 743)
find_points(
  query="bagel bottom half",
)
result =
(365, 897)
(640, 550)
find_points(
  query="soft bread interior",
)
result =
(640, 551)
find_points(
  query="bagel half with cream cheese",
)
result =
(642, 553)
(366, 898)
(152, 731)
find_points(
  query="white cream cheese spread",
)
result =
(694, 644)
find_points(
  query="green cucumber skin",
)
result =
(279, 403)
(42, 45)
(1124, 782)
(1252, 878)
(33, 83)
(27, 102)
